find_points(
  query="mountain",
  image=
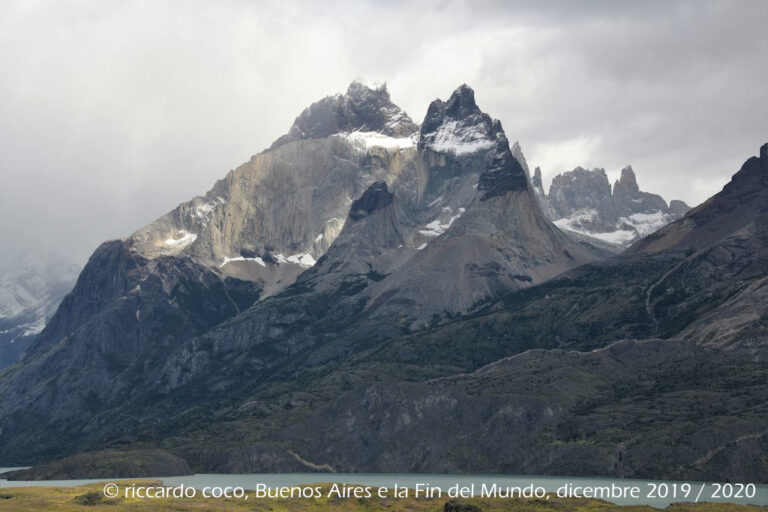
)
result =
(646, 365)
(400, 226)
(31, 289)
(272, 217)
(362, 298)
(582, 201)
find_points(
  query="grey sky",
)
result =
(111, 113)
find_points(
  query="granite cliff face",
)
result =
(365, 108)
(272, 217)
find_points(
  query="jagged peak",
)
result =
(627, 182)
(458, 126)
(365, 84)
(462, 102)
(579, 171)
(375, 197)
(365, 107)
(517, 152)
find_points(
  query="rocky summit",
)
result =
(366, 280)
(582, 201)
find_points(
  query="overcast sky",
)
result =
(111, 113)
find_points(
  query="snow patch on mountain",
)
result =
(184, 240)
(35, 327)
(203, 209)
(574, 221)
(454, 138)
(647, 223)
(367, 140)
(303, 260)
(628, 229)
(618, 237)
(242, 258)
(438, 227)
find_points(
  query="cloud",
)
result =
(114, 112)
(558, 157)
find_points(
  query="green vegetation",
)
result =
(91, 498)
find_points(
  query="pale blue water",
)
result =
(443, 482)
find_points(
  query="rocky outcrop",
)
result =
(582, 201)
(364, 108)
(740, 206)
(541, 195)
(582, 190)
(376, 197)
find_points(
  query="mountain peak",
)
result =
(462, 102)
(458, 126)
(517, 152)
(361, 84)
(627, 183)
(365, 107)
(367, 90)
(739, 206)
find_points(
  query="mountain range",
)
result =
(369, 294)
(31, 288)
(582, 201)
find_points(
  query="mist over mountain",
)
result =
(31, 288)
(582, 201)
(369, 279)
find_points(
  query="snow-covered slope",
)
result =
(31, 288)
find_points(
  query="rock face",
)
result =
(362, 109)
(272, 217)
(582, 190)
(376, 197)
(582, 201)
(30, 291)
(541, 196)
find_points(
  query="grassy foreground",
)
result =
(91, 498)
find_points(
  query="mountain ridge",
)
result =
(230, 332)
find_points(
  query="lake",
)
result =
(655, 493)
